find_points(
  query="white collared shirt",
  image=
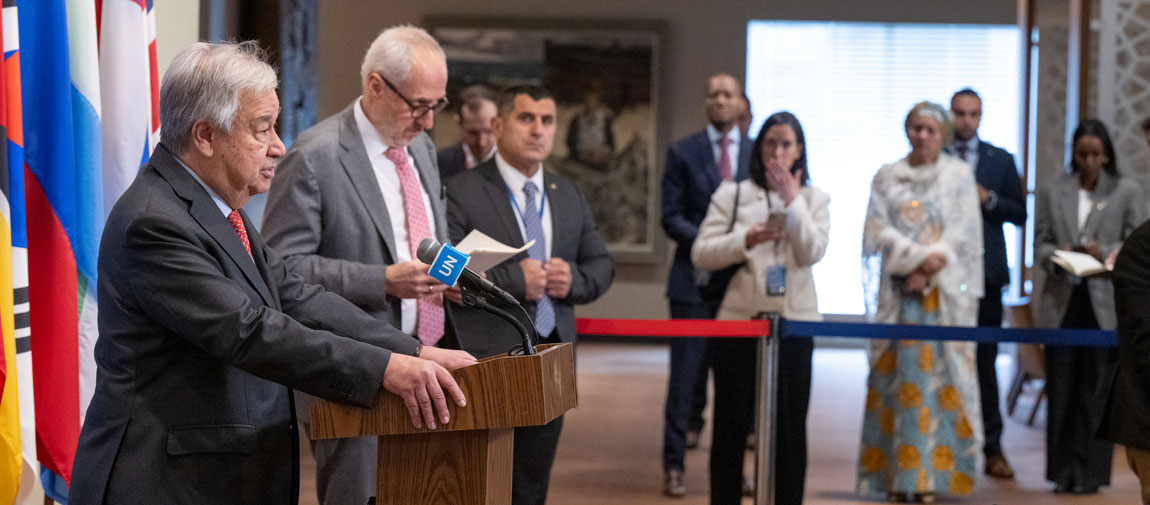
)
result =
(223, 206)
(971, 150)
(471, 162)
(514, 179)
(732, 148)
(388, 181)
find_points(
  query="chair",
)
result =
(1029, 362)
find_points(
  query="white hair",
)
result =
(204, 83)
(392, 53)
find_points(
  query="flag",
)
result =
(64, 205)
(14, 144)
(11, 456)
(129, 91)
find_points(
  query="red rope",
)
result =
(672, 327)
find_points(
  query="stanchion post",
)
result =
(765, 401)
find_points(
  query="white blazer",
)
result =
(805, 242)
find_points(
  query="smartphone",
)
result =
(777, 220)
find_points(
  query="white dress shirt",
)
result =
(515, 180)
(732, 147)
(393, 197)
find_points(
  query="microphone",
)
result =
(429, 249)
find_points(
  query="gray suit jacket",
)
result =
(200, 347)
(1118, 210)
(326, 215)
(478, 200)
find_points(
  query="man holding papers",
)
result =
(513, 200)
(355, 195)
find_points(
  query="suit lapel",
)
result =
(705, 157)
(257, 243)
(496, 191)
(745, 146)
(205, 212)
(355, 162)
(562, 223)
(429, 178)
(1069, 206)
(1102, 192)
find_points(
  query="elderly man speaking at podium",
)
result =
(203, 331)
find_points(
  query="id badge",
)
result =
(776, 280)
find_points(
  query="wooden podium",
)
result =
(467, 461)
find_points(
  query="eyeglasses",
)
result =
(418, 109)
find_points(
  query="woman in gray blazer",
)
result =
(1089, 210)
(770, 230)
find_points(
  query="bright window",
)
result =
(851, 85)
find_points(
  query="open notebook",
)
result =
(1080, 264)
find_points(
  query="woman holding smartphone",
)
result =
(771, 229)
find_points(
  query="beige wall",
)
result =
(177, 25)
(700, 39)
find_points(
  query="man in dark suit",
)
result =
(204, 332)
(1127, 417)
(1000, 193)
(476, 110)
(695, 166)
(512, 199)
(354, 197)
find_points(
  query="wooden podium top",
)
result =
(501, 392)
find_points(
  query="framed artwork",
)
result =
(604, 77)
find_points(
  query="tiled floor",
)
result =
(611, 445)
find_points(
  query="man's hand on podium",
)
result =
(420, 382)
(448, 358)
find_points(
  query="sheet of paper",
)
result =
(1079, 264)
(485, 251)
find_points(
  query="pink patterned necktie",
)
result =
(429, 309)
(242, 231)
(724, 159)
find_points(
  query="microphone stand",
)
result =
(481, 302)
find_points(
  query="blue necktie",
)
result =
(544, 311)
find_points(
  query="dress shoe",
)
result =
(673, 484)
(1084, 489)
(692, 439)
(748, 486)
(1062, 488)
(924, 498)
(996, 466)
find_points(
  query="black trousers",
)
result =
(686, 385)
(1075, 379)
(733, 362)
(990, 314)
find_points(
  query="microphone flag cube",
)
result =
(448, 265)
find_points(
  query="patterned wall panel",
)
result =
(1123, 81)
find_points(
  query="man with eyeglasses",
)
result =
(353, 198)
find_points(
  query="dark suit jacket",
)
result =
(478, 200)
(997, 172)
(452, 160)
(326, 215)
(200, 347)
(1127, 415)
(689, 180)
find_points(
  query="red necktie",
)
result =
(238, 225)
(429, 309)
(724, 159)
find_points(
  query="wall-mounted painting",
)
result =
(604, 80)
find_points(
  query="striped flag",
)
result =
(14, 132)
(11, 159)
(129, 91)
(64, 202)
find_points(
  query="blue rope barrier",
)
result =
(1091, 338)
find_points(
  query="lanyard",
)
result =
(542, 204)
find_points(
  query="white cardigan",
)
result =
(805, 242)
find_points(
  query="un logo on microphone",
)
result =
(448, 265)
